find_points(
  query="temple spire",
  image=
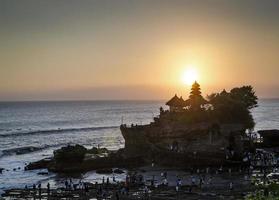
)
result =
(196, 100)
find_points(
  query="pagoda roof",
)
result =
(197, 99)
(176, 101)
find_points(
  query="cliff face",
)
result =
(202, 139)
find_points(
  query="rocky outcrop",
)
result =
(41, 164)
(79, 159)
(184, 142)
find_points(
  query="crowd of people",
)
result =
(198, 179)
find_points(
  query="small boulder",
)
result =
(118, 171)
(104, 171)
(96, 150)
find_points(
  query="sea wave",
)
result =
(29, 149)
(20, 150)
(55, 131)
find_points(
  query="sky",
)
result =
(136, 49)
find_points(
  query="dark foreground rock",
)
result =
(79, 159)
(104, 171)
(39, 164)
(118, 171)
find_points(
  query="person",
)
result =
(209, 180)
(71, 184)
(145, 192)
(66, 184)
(193, 180)
(165, 174)
(103, 180)
(100, 190)
(122, 190)
(165, 182)
(107, 180)
(179, 182)
(40, 189)
(48, 188)
(113, 178)
(221, 169)
(231, 186)
(177, 188)
(201, 182)
(190, 189)
(152, 182)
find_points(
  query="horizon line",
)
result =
(89, 100)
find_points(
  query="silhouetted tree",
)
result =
(246, 95)
(234, 106)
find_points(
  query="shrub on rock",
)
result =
(70, 153)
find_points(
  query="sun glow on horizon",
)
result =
(189, 76)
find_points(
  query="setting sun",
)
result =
(189, 76)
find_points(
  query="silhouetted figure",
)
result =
(107, 180)
(201, 182)
(48, 188)
(66, 184)
(40, 189)
(231, 186)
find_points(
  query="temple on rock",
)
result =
(195, 101)
(194, 129)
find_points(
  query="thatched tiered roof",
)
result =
(176, 102)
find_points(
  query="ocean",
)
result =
(30, 131)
